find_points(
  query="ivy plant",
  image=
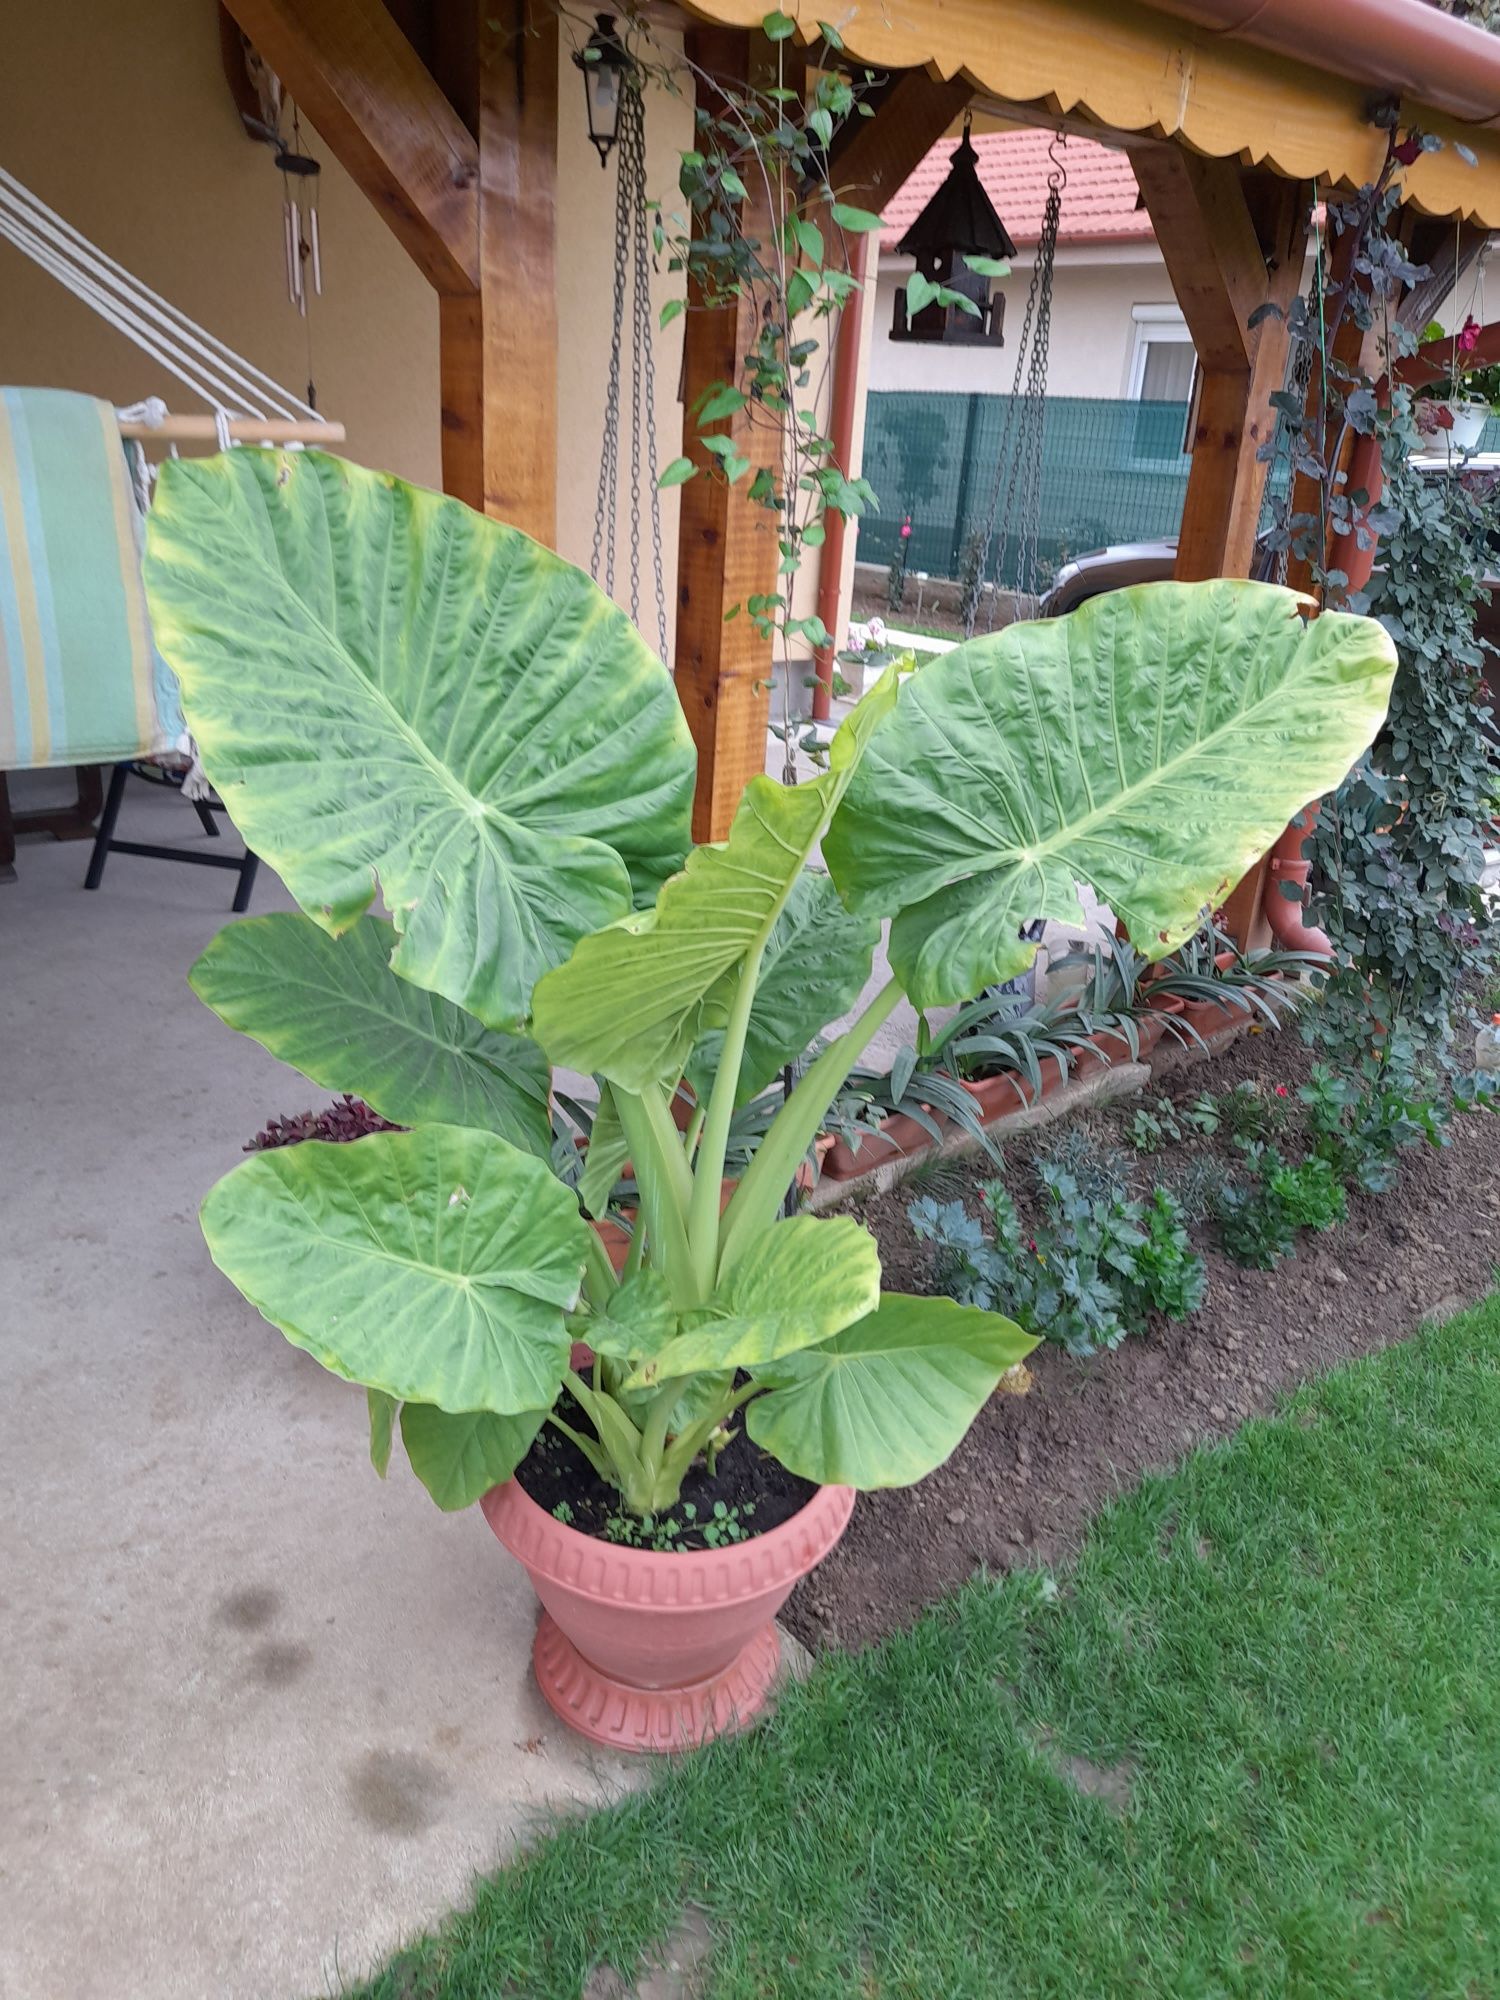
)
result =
(400, 700)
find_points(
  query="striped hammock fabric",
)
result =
(80, 680)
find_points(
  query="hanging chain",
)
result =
(633, 268)
(1018, 461)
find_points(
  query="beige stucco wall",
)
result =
(1092, 329)
(119, 117)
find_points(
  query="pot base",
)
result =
(643, 1720)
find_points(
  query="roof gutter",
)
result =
(1404, 47)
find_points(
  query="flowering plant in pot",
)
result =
(395, 696)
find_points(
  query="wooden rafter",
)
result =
(498, 61)
(375, 106)
(1226, 255)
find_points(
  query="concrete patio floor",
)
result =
(265, 1716)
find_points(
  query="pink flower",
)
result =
(1468, 335)
(1282, 1091)
(906, 527)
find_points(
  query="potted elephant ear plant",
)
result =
(395, 697)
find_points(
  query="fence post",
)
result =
(965, 479)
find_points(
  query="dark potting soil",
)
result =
(756, 1492)
(1034, 1469)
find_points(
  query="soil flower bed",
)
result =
(1035, 1469)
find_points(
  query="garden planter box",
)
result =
(646, 1651)
(1008, 1091)
(899, 1138)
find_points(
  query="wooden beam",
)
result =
(727, 545)
(386, 122)
(873, 158)
(498, 346)
(1226, 255)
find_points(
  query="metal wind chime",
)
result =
(617, 120)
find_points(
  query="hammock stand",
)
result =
(244, 406)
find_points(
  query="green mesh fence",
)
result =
(1111, 472)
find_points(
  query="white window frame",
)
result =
(1153, 323)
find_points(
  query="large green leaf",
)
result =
(394, 694)
(458, 1456)
(435, 1265)
(633, 1000)
(1153, 743)
(884, 1402)
(332, 1007)
(801, 1281)
(816, 962)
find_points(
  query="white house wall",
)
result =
(1093, 333)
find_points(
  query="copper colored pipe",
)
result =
(1289, 864)
(1402, 46)
(841, 436)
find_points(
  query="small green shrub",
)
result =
(1362, 1132)
(1259, 1219)
(1096, 1268)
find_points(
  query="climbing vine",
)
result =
(1398, 851)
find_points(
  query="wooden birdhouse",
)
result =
(960, 221)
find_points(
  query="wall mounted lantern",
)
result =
(604, 63)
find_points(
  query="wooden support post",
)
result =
(1224, 262)
(727, 545)
(498, 343)
(1232, 243)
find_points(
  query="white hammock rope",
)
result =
(229, 384)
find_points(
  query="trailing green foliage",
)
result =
(1096, 1267)
(396, 696)
(1398, 849)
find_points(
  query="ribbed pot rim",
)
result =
(551, 1549)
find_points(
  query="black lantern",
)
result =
(604, 62)
(960, 221)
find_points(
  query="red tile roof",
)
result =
(1098, 204)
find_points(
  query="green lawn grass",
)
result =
(1285, 1660)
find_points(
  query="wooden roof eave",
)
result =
(1129, 70)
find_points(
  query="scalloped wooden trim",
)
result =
(1134, 70)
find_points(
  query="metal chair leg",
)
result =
(106, 826)
(205, 817)
(248, 867)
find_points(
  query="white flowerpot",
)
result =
(1469, 419)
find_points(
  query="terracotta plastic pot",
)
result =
(646, 1651)
(899, 1138)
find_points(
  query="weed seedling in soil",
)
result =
(1152, 1129)
(724, 1525)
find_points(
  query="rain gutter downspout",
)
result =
(846, 346)
(1401, 46)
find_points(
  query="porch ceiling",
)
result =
(1129, 69)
